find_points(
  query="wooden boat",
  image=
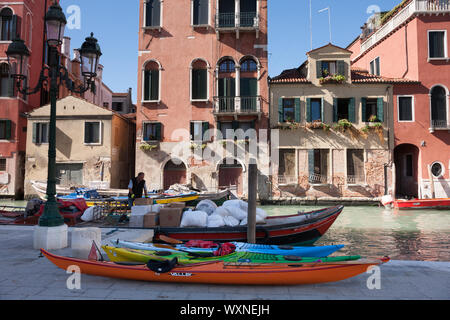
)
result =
(400, 204)
(301, 229)
(217, 197)
(320, 251)
(220, 272)
(161, 254)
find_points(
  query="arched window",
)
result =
(151, 81)
(5, 81)
(227, 66)
(249, 65)
(6, 24)
(199, 80)
(439, 107)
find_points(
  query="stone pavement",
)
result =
(25, 276)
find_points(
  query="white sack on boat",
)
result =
(259, 220)
(194, 219)
(236, 203)
(88, 214)
(237, 213)
(262, 213)
(215, 221)
(221, 211)
(231, 221)
(207, 206)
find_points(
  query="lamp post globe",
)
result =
(90, 53)
(55, 23)
(18, 55)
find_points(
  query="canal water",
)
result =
(421, 235)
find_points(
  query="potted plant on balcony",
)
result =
(336, 79)
(374, 125)
(318, 124)
(148, 146)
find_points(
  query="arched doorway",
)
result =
(231, 176)
(406, 158)
(174, 172)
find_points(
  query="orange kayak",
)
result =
(220, 272)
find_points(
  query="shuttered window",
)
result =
(405, 109)
(2, 164)
(6, 82)
(200, 131)
(153, 13)
(10, 25)
(344, 109)
(200, 12)
(92, 132)
(40, 132)
(151, 85)
(436, 44)
(5, 129)
(152, 131)
(199, 84)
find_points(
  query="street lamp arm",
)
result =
(70, 84)
(27, 90)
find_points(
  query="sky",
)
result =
(116, 25)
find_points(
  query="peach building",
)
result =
(202, 71)
(412, 41)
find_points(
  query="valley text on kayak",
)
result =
(227, 309)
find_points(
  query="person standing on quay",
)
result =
(136, 188)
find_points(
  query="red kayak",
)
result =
(300, 229)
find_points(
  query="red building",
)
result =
(412, 42)
(24, 19)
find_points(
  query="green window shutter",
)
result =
(253, 87)
(308, 110)
(219, 130)
(322, 110)
(341, 67)
(16, 27)
(35, 132)
(205, 131)
(8, 130)
(297, 110)
(311, 161)
(363, 110)
(351, 110)
(235, 125)
(147, 77)
(253, 124)
(319, 69)
(380, 109)
(193, 131)
(154, 85)
(199, 84)
(158, 131)
(245, 87)
(280, 110)
(335, 110)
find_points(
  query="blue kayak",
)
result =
(320, 251)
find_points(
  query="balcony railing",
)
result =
(414, 7)
(355, 179)
(237, 104)
(439, 124)
(287, 180)
(315, 178)
(231, 20)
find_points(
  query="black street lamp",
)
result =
(56, 74)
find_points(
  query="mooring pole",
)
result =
(252, 191)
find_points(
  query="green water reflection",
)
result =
(374, 232)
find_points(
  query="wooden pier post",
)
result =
(252, 191)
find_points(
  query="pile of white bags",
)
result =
(233, 213)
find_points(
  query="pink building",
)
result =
(202, 70)
(412, 42)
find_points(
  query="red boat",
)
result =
(302, 228)
(422, 204)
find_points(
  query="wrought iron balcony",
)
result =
(315, 178)
(439, 125)
(356, 180)
(285, 180)
(232, 20)
(237, 105)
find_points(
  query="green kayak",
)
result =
(133, 255)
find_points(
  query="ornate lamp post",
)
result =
(57, 75)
